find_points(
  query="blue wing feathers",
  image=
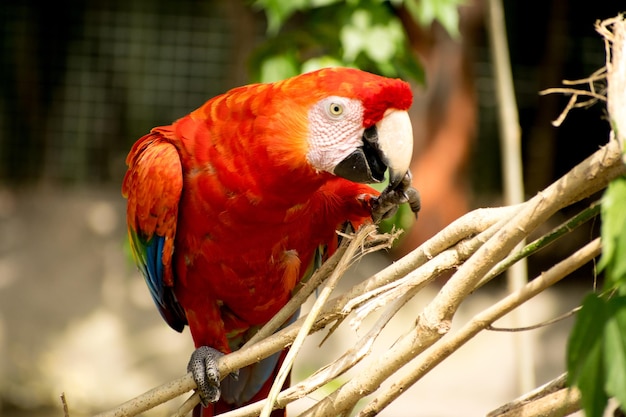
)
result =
(153, 186)
(149, 255)
(154, 268)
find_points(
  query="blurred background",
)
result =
(81, 81)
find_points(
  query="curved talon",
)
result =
(203, 367)
(411, 194)
(386, 204)
(415, 202)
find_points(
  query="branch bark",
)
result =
(590, 176)
(556, 404)
(508, 226)
(476, 244)
(440, 351)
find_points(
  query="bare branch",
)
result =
(614, 32)
(574, 92)
(66, 409)
(509, 224)
(152, 398)
(536, 326)
(432, 357)
(585, 179)
(555, 404)
(544, 241)
(343, 265)
(478, 246)
(550, 387)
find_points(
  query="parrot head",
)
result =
(357, 125)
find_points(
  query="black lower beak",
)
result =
(365, 164)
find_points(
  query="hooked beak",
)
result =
(386, 145)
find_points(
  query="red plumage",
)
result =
(225, 211)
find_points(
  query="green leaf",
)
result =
(446, 12)
(613, 259)
(320, 62)
(409, 68)
(585, 355)
(278, 11)
(615, 349)
(278, 67)
(371, 30)
(591, 384)
(586, 333)
(364, 34)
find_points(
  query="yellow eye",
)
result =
(335, 109)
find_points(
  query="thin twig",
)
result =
(585, 179)
(188, 406)
(342, 266)
(576, 93)
(597, 75)
(573, 91)
(614, 33)
(152, 398)
(513, 178)
(549, 387)
(66, 409)
(570, 105)
(543, 241)
(327, 373)
(302, 294)
(438, 352)
(417, 279)
(556, 404)
(544, 323)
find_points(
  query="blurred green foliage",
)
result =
(596, 354)
(305, 35)
(613, 259)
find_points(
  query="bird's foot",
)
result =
(203, 367)
(386, 204)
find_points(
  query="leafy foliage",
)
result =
(585, 355)
(304, 35)
(308, 34)
(444, 11)
(614, 235)
(596, 355)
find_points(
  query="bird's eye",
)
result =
(335, 109)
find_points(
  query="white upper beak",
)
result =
(395, 140)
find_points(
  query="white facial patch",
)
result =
(335, 131)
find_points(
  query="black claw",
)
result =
(388, 201)
(415, 202)
(203, 366)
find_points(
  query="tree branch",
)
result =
(544, 241)
(447, 249)
(344, 263)
(555, 404)
(590, 176)
(546, 389)
(435, 355)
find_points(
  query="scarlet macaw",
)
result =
(228, 206)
